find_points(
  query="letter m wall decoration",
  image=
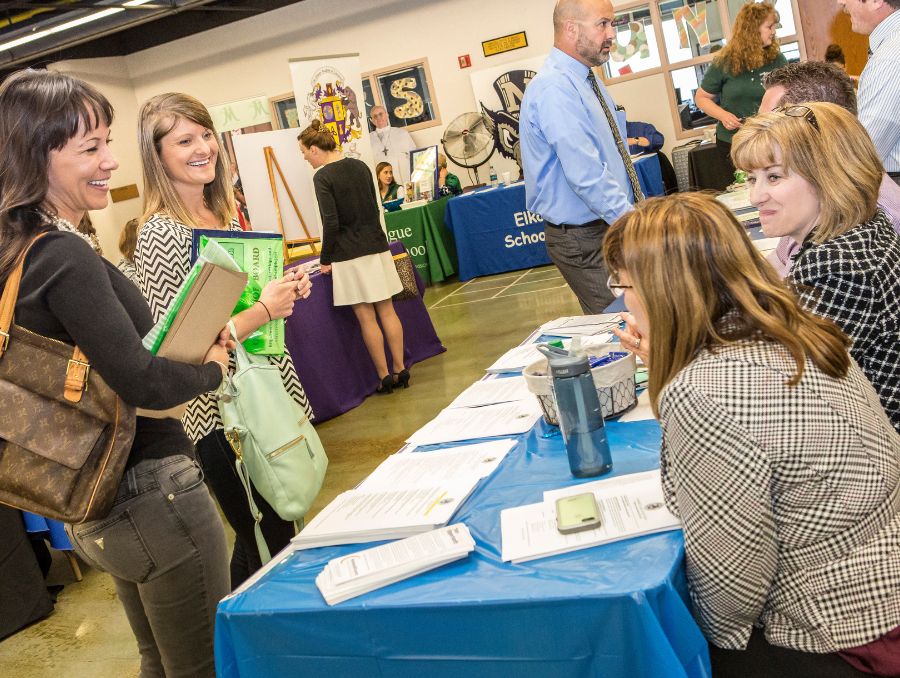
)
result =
(695, 17)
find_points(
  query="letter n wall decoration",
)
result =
(695, 17)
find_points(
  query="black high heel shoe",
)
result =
(401, 378)
(387, 385)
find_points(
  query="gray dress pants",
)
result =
(164, 545)
(577, 252)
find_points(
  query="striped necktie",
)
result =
(626, 158)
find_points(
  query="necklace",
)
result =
(67, 226)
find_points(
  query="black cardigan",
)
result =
(350, 208)
(71, 294)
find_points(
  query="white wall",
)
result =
(249, 58)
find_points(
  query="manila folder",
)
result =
(205, 311)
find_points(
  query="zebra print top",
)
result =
(162, 258)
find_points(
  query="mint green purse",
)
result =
(275, 445)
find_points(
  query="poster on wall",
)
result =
(329, 88)
(499, 91)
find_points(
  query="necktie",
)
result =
(626, 158)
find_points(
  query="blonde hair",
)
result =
(158, 117)
(838, 159)
(691, 264)
(745, 51)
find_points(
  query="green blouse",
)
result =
(738, 94)
(391, 193)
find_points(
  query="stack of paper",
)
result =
(583, 325)
(409, 493)
(630, 506)
(492, 392)
(739, 204)
(364, 571)
(505, 419)
(518, 358)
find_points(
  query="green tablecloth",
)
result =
(429, 242)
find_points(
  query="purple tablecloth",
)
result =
(328, 350)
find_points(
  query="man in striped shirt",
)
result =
(879, 87)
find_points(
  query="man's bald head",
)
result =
(583, 29)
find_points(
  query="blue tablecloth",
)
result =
(613, 610)
(494, 232)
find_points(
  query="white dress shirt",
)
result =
(393, 144)
(879, 91)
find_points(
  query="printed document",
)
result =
(467, 423)
(492, 392)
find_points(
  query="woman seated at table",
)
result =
(355, 250)
(776, 453)
(814, 177)
(187, 185)
(387, 187)
(448, 183)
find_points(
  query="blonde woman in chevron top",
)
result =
(187, 185)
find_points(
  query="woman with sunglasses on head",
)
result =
(162, 543)
(814, 176)
(187, 185)
(776, 453)
(732, 89)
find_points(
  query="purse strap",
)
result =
(78, 367)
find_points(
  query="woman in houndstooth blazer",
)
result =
(776, 454)
(814, 176)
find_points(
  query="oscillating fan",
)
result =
(468, 141)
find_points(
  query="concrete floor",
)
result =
(88, 635)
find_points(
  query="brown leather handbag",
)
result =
(406, 272)
(65, 435)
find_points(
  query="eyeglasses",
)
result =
(800, 112)
(616, 287)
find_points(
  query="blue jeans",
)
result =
(163, 543)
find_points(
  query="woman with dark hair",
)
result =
(187, 185)
(355, 250)
(735, 77)
(163, 542)
(776, 453)
(387, 187)
(127, 243)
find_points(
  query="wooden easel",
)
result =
(272, 162)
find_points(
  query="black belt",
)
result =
(563, 227)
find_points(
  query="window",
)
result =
(636, 49)
(406, 92)
(679, 38)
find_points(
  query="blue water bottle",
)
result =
(579, 416)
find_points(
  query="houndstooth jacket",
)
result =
(854, 279)
(789, 497)
(162, 258)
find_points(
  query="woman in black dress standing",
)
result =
(355, 250)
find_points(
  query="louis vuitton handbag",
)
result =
(65, 435)
(407, 276)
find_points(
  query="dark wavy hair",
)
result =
(39, 112)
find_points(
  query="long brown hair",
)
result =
(745, 51)
(158, 117)
(378, 168)
(835, 155)
(39, 112)
(692, 264)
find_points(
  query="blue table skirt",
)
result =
(494, 233)
(51, 529)
(614, 610)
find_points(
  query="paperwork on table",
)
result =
(583, 325)
(492, 392)
(409, 493)
(766, 245)
(518, 358)
(364, 571)
(739, 204)
(468, 423)
(630, 506)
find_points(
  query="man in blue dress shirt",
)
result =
(578, 174)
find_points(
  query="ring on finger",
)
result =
(637, 342)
